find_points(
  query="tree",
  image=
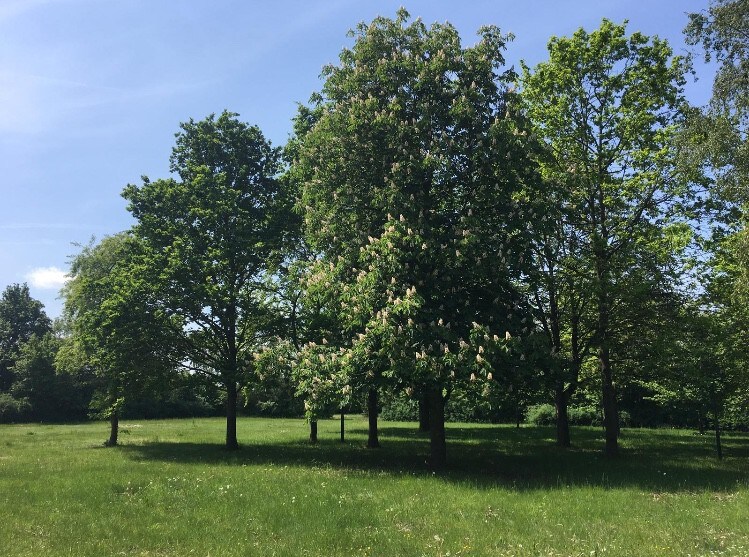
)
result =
(53, 396)
(721, 128)
(718, 134)
(606, 105)
(21, 317)
(114, 328)
(707, 366)
(407, 174)
(559, 283)
(212, 235)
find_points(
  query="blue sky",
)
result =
(92, 92)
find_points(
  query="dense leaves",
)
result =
(211, 237)
(439, 234)
(21, 317)
(605, 107)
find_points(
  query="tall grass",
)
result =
(172, 490)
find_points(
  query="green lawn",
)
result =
(171, 489)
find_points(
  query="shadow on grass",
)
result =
(523, 459)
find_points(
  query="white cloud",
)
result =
(47, 277)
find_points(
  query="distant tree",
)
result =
(212, 236)
(115, 330)
(718, 135)
(21, 317)
(408, 173)
(707, 366)
(606, 106)
(721, 129)
(52, 396)
(559, 283)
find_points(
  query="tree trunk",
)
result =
(610, 414)
(114, 429)
(438, 446)
(231, 416)
(563, 421)
(313, 432)
(343, 426)
(718, 445)
(423, 413)
(372, 441)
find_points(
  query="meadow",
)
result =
(171, 489)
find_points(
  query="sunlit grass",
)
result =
(171, 489)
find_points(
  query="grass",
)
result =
(172, 490)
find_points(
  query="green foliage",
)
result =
(21, 317)
(719, 131)
(51, 396)
(14, 410)
(408, 163)
(113, 328)
(545, 415)
(541, 414)
(212, 238)
(605, 108)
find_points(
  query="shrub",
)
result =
(399, 409)
(14, 409)
(541, 414)
(545, 414)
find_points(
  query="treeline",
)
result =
(442, 237)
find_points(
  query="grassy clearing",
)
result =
(171, 490)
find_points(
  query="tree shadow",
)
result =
(486, 457)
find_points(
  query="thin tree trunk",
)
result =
(423, 413)
(231, 416)
(372, 441)
(610, 413)
(563, 422)
(313, 431)
(437, 443)
(343, 426)
(718, 445)
(114, 429)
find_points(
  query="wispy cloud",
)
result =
(31, 103)
(47, 277)
(13, 8)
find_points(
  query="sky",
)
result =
(93, 91)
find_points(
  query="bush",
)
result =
(585, 415)
(545, 414)
(14, 409)
(541, 414)
(399, 409)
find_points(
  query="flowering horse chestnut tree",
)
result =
(411, 167)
